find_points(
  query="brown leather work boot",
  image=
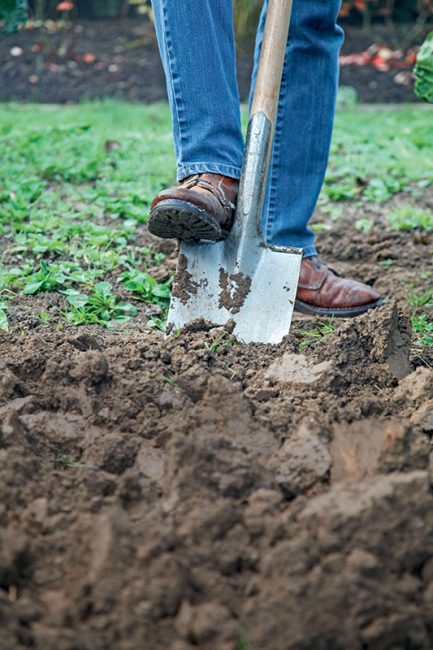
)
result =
(201, 207)
(321, 292)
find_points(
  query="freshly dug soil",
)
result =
(199, 493)
(119, 58)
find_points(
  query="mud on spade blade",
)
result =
(241, 279)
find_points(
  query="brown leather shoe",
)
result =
(201, 207)
(321, 292)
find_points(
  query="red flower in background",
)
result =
(65, 6)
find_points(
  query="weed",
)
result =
(243, 643)
(364, 225)
(156, 323)
(423, 329)
(68, 461)
(101, 307)
(420, 301)
(422, 325)
(334, 211)
(4, 325)
(410, 219)
(232, 371)
(219, 341)
(46, 279)
(321, 227)
(321, 331)
(170, 380)
(146, 288)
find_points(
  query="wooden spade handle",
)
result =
(272, 57)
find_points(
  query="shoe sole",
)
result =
(184, 221)
(345, 312)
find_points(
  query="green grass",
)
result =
(99, 307)
(376, 153)
(410, 218)
(423, 330)
(315, 334)
(76, 184)
(422, 317)
(75, 188)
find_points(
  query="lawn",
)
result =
(77, 181)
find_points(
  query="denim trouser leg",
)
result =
(197, 45)
(196, 41)
(305, 122)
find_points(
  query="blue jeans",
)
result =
(197, 45)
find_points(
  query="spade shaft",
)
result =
(262, 120)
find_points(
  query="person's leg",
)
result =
(197, 45)
(300, 156)
(305, 122)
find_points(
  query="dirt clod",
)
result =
(183, 285)
(296, 369)
(234, 290)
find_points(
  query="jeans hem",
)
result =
(211, 168)
(309, 251)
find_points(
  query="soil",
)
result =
(234, 290)
(183, 286)
(198, 493)
(119, 58)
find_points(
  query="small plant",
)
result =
(423, 328)
(156, 323)
(4, 325)
(146, 288)
(231, 370)
(215, 345)
(410, 219)
(364, 225)
(243, 643)
(321, 331)
(386, 264)
(424, 70)
(170, 380)
(321, 227)
(68, 461)
(422, 325)
(420, 301)
(46, 279)
(101, 307)
(334, 212)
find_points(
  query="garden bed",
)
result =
(92, 59)
(195, 492)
